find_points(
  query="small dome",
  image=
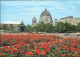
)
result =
(45, 13)
(34, 21)
(34, 18)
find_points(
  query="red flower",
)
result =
(70, 48)
(64, 48)
(78, 49)
(18, 46)
(35, 55)
(76, 55)
(47, 49)
(10, 40)
(75, 52)
(43, 52)
(21, 52)
(25, 44)
(12, 43)
(36, 47)
(47, 45)
(38, 51)
(0, 39)
(0, 53)
(74, 43)
(29, 53)
(14, 50)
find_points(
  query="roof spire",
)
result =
(45, 8)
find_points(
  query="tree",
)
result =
(78, 27)
(21, 27)
(49, 27)
(55, 29)
(60, 27)
(40, 27)
(69, 27)
(74, 28)
(28, 28)
(34, 28)
(4, 27)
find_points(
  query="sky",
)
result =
(16, 11)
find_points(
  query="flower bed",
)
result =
(38, 46)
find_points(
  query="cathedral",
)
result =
(46, 18)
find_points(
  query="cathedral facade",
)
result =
(44, 17)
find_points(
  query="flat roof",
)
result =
(11, 23)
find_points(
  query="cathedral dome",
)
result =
(45, 17)
(45, 13)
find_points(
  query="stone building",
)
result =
(34, 21)
(55, 22)
(44, 17)
(70, 19)
(10, 24)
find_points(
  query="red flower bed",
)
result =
(38, 46)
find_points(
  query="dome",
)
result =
(45, 13)
(45, 17)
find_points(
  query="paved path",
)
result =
(72, 35)
(65, 35)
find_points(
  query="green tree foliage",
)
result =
(28, 28)
(4, 27)
(74, 28)
(69, 27)
(40, 27)
(54, 28)
(21, 27)
(49, 27)
(78, 27)
(60, 27)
